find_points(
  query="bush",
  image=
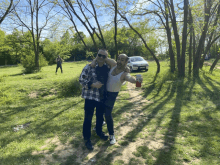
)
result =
(28, 62)
(70, 88)
(89, 55)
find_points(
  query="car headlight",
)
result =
(135, 65)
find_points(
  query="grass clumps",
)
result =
(179, 124)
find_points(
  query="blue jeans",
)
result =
(59, 66)
(89, 107)
(109, 104)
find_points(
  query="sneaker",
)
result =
(112, 139)
(103, 136)
(89, 145)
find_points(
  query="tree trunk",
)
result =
(184, 40)
(214, 63)
(7, 11)
(190, 42)
(210, 42)
(196, 62)
(115, 36)
(176, 34)
(190, 52)
(169, 39)
(37, 47)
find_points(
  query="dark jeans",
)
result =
(89, 107)
(59, 66)
(109, 104)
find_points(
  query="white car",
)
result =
(137, 63)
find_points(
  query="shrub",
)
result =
(28, 62)
(89, 55)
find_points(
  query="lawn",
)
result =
(182, 116)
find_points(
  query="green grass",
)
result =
(184, 112)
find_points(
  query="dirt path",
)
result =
(210, 64)
(117, 151)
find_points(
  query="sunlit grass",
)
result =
(183, 114)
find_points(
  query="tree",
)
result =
(70, 8)
(4, 48)
(116, 30)
(207, 15)
(5, 10)
(214, 63)
(28, 14)
(15, 40)
(123, 16)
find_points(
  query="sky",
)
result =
(65, 23)
(106, 18)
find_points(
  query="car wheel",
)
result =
(131, 70)
(146, 70)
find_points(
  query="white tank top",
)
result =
(114, 82)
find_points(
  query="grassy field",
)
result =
(182, 114)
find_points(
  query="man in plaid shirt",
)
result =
(93, 81)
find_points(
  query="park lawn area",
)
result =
(182, 116)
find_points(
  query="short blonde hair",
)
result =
(125, 56)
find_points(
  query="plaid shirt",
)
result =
(87, 77)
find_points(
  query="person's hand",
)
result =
(97, 84)
(93, 64)
(140, 79)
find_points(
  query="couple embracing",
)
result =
(101, 82)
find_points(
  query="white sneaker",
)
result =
(112, 139)
(103, 123)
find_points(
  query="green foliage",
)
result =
(28, 62)
(89, 55)
(179, 120)
(71, 48)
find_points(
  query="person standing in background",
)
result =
(59, 64)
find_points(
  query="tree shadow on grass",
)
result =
(17, 74)
(130, 136)
(165, 155)
(203, 133)
(166, 78)
(213, 95)
(23, 158)
(40, 127)
(169, 94)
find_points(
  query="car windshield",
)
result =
(137, 59)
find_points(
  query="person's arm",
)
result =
(93, 63)
(131, 79)
(84, 79)
(110, 62)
